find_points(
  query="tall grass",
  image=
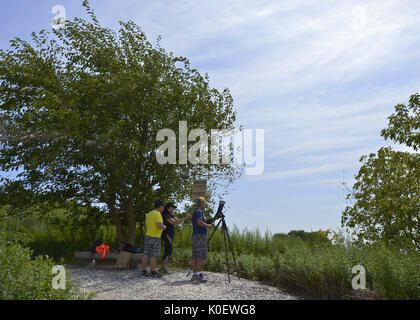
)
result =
(243, 242)
(316, 270)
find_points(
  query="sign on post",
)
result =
(199, 189)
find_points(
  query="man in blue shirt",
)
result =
(199, 240)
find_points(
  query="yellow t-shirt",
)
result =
(152, 229)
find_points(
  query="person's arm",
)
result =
(175, 221)
(159, 222)
(160, 225)
(201, 223)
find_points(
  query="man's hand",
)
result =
(160, 225)
(175, 221)
(201, 223)
(209, 221)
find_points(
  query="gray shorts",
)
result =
(151, 246)
(199, 246)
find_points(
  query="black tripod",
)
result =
(225, 237)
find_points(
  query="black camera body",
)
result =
(219, 214)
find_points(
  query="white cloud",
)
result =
(335, 182)
(306, 171)
(261, 213)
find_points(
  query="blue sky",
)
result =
(320, 77)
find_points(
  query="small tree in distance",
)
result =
(385, 200)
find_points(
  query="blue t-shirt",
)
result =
(198, 214)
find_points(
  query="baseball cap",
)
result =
(158, 203)
(170, 205)
(199, 200)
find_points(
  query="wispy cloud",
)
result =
(306, 171)
(261, 213)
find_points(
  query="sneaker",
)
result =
(154, 274)
(201, 278)
(164, 271)
(198, 278)
(144, 274)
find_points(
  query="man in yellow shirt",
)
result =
(154, 228)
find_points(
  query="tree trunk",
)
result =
(131, 221)
(117, 222)
(141, 242)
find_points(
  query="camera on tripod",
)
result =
(219, 213)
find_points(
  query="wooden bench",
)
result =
(110, 256)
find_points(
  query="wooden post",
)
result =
(123, 260)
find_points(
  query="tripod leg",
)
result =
(211, 236)
(233, 253)
(224, 229)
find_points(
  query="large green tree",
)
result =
(80, 112)
(385, 200)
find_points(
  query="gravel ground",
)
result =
(126, 284)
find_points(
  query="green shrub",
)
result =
(314, 237)
(22, 277)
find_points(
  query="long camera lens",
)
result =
(219, 213)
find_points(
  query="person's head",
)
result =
(170, 206)
(200, 202)
(159, 206)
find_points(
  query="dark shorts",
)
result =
(199, 246)
(151, 246)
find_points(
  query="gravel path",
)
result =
(126, 284)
